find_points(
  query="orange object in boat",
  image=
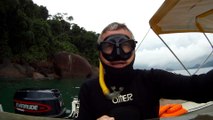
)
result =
(171, 110)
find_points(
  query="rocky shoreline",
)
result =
(62, 65)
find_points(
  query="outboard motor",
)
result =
(39, 102)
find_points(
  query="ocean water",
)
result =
(192, 71)
(69, 88)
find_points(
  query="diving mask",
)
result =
(117, 47)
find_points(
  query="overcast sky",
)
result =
(94, 15)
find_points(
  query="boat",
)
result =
(40, 104)
(183, 16)
(186, 16)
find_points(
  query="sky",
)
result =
(94, 15)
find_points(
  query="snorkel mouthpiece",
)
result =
(115, 93)
(105, 90)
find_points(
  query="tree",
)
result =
(7, 8)
(85, 41)
(28, 32)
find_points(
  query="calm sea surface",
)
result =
(69, 88)
(192, 71)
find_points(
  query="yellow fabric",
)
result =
(177, 16)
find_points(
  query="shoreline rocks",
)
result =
(62, 65)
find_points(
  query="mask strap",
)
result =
(102, 83)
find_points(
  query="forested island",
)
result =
(30, 36)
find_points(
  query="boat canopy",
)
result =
(178, 16)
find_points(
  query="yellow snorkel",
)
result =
(104, 88)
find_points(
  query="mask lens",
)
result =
(107, 47)
(127, 46)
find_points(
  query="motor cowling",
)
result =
(39, 102)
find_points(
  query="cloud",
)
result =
(188, 47)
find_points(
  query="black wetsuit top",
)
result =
(141, 94)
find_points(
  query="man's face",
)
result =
(118, 38)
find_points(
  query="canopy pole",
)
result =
(208, 40)
(199, 26)
(207, 56)
(174, 55)
(143, 39)
(203, 62)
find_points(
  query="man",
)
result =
(122, 93)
